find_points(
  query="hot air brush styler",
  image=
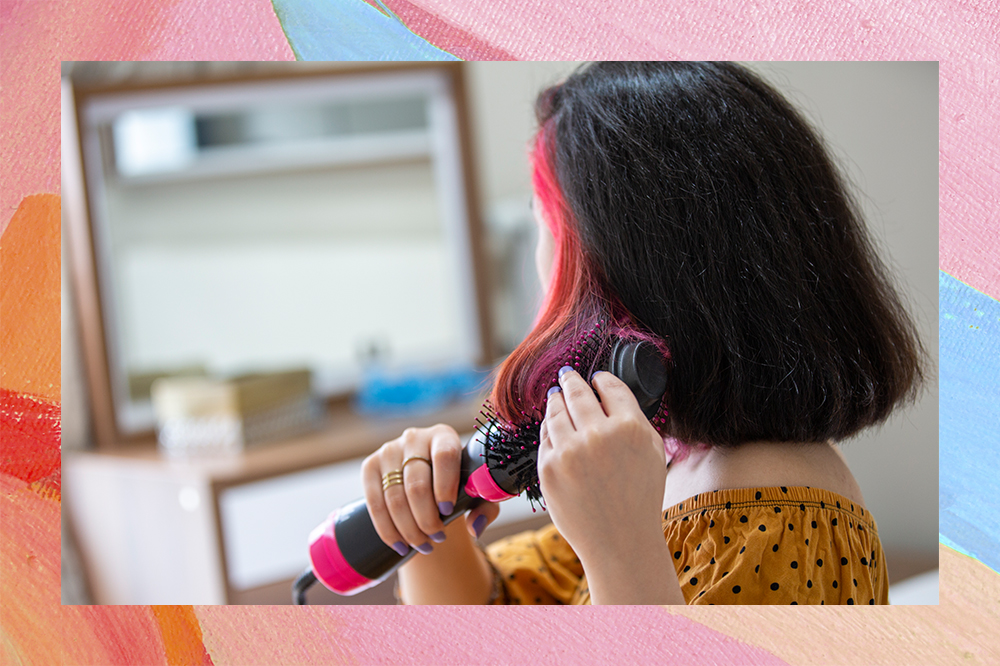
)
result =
(499, 462)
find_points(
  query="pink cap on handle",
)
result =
(481, 484)
(328, 563)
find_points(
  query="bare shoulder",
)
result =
(762, 464)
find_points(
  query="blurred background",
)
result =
(272, 268)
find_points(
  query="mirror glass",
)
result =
(247, 227)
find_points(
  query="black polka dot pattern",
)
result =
(746, 546)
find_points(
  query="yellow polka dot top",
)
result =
(782, 545)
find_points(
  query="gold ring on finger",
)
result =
(391, 482)
(392, 478)
(412, 458)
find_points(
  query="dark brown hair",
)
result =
(695, 197)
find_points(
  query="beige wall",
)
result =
(501, 102)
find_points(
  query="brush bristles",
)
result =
(512, 446)
(513, 449)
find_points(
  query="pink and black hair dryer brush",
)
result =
(498, 463)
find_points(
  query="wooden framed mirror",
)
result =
(285, 216)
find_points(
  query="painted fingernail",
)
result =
(445, 508)
(425, 548)
(478, 524)
(438, 537)
(563, 370)
(400, 548)
(596, 372)
(554, 389)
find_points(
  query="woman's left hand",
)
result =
(602, 467)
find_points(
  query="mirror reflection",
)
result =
(269, 226)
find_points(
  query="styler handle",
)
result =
(348, 556)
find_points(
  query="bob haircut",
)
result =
(691, 205)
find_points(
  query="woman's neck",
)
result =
(761, 464)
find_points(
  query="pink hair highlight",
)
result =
(574, 303)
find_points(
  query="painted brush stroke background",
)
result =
(35, 629)
(316, 30)
(969, 324)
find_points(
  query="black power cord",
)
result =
(301, 584)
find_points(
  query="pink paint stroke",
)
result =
(213, 30)
(456, 41)
(538, 634)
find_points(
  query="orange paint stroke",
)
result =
(181, 636)
(29, 574)
(30, 282)
(34, 627)
(110, 636)
(275, 635)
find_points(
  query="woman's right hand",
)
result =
(410, 514)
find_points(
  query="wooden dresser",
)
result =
(232, 531)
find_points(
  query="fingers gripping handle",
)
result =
(345, 551)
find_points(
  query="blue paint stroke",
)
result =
(350, 30)
(969, 404)
(945, 541)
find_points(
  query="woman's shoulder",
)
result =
(759, 465)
